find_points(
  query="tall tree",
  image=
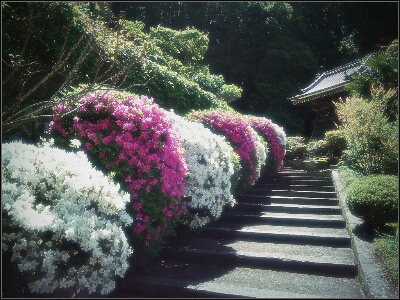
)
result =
(244, 36)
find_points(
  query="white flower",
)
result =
(74, 143)
(69, 185)
(208, 179)
(64, 256)
(69, 233)
(261, 151)
(92, 288)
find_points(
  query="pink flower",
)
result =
(138, 228)
(268, 130)
(235, 128)
(106, 139)
(166, 212)
(138, 138)
(137, 206)
(148, 236)
(122, 155)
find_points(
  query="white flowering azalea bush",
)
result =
(210, 168)
(280, 132)
(64, 220)
(261, 152)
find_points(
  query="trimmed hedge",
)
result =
(348, 175)
(374, 198)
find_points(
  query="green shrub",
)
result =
(382, 69)
(347, 175)
(229, 92)
(237, 171)
(387, 250)
(374, 198)
(317, 148)
(296, 147)
(335, 142)
(372, 140)
(172, 69)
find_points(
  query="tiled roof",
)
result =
(328, 82)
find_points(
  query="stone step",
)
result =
(285, 238)
(287, 219)
(285, 193)
(332, 237)
(298, 174)
(316, 260)
(265, 199)
(169, 278)
(294, 187)
(314, 182)
(287, 208)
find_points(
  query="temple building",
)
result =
(326, 89)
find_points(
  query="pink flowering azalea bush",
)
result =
(234, 127)
(131, 139)
(275, 137)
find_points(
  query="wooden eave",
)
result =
(328, 83)
(320, 94)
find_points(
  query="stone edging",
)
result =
(370, 271)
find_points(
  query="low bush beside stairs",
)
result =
(286, 238)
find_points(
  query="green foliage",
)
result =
(296, 147)
(348, 45)
(317, 148)
(186, 45)
(347, 175)
(336, 142)
(272, 49)
(177, 92)
(173, 72)
(229, 92)
(237, 171)
(49, 47)
(372, 140)
(286, 65)
(382, 70)
(33, 35)
(207, 81)
(212, 83)
(374, 198)
(133, 30)
(387, 248)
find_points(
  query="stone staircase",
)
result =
(286, 238)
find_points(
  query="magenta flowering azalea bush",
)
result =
(234, 127)
(275, 137)
(131, 139)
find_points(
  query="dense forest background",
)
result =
(252, 56)
(272, 49)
